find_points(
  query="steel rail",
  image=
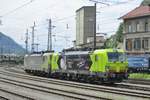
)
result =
(15, 94)
(134, 86)
(3, 98)
(138, 81)
(90, 87)
(71, 94)
(116, 85)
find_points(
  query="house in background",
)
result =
(137, 30)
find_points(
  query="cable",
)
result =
(64, 18)
(104, 3)
(58, 20)
(12, 11)
(116, 4)
(42, 35)
(106, 22)
(72, 16)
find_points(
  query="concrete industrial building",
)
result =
(84, 24)
(137, 30)
(85, 20)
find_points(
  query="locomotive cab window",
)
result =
(116, 57)
(96, 58)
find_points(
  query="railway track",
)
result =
(13, 95)
(134, 86)
(44, 88)
(93, 91)
(117, 85)
(47, 90)
(138, 81)
(3, 98)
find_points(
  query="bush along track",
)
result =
(140, 76)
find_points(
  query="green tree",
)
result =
(145, 2)
(115, 39)
(119, 33)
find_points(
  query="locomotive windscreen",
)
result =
(116, 56)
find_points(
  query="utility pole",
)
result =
(32, 44)
(1, 55)
(95, 27)
(26, 41)
(37, 46)
(49, 41)
(95, 5)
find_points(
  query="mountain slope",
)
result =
(8, 45)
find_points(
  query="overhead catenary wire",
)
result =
(65, 18)
(58, 20)
(111, 2)
(14, 10)
(73, 16)
(61, 32)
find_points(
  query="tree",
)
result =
(119, 33)
(115, 39)
(145, 3)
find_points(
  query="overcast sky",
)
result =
(62, 13)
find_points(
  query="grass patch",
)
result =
(139, 76)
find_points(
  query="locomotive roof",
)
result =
(46, 54)
(108, 50)
(33, 55)
(95, 51)
(76, 52)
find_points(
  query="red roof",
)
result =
(137, 12)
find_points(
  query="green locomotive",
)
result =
(105, 65)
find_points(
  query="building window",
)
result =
(137, 26)
(145, 43)
(137, 44)
(146, 26)
(129, 44)
(90, 39)
(129, 28)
